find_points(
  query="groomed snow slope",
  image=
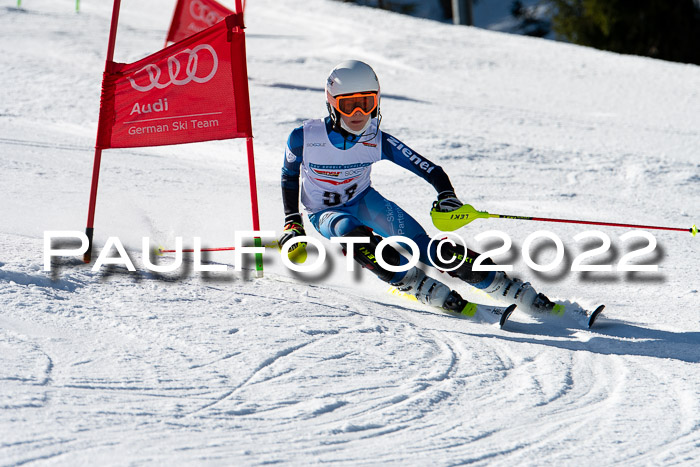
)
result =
(114, 367)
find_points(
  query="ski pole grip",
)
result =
(452, 220)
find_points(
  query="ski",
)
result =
(479, 311)
(506, 314)
(500, 312)
(594, 316)
(589, 318)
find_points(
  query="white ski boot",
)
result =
(426, 289)
(519, 292)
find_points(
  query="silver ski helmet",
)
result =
(352, 85)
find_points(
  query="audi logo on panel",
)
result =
(153, 72)
(203, 13)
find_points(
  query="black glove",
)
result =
(447, 201)
(293, 227)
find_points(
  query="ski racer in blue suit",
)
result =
(333, 157)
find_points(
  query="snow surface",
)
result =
(114, 367)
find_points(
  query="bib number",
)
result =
(332, 198)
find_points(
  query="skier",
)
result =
(334, 158)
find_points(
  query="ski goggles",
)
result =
(348, 104)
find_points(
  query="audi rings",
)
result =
(153, 71)
(203, 13)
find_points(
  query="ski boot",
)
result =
(431, 291)
(522, 294)
(426, 289)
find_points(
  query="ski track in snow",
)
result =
(350, 379)
(113, 367)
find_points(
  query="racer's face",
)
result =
(357, 121)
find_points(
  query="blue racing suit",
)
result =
(368, 208)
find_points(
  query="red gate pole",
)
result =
(254, 204)
(87, 257)
(251, 159)
(253, 184)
